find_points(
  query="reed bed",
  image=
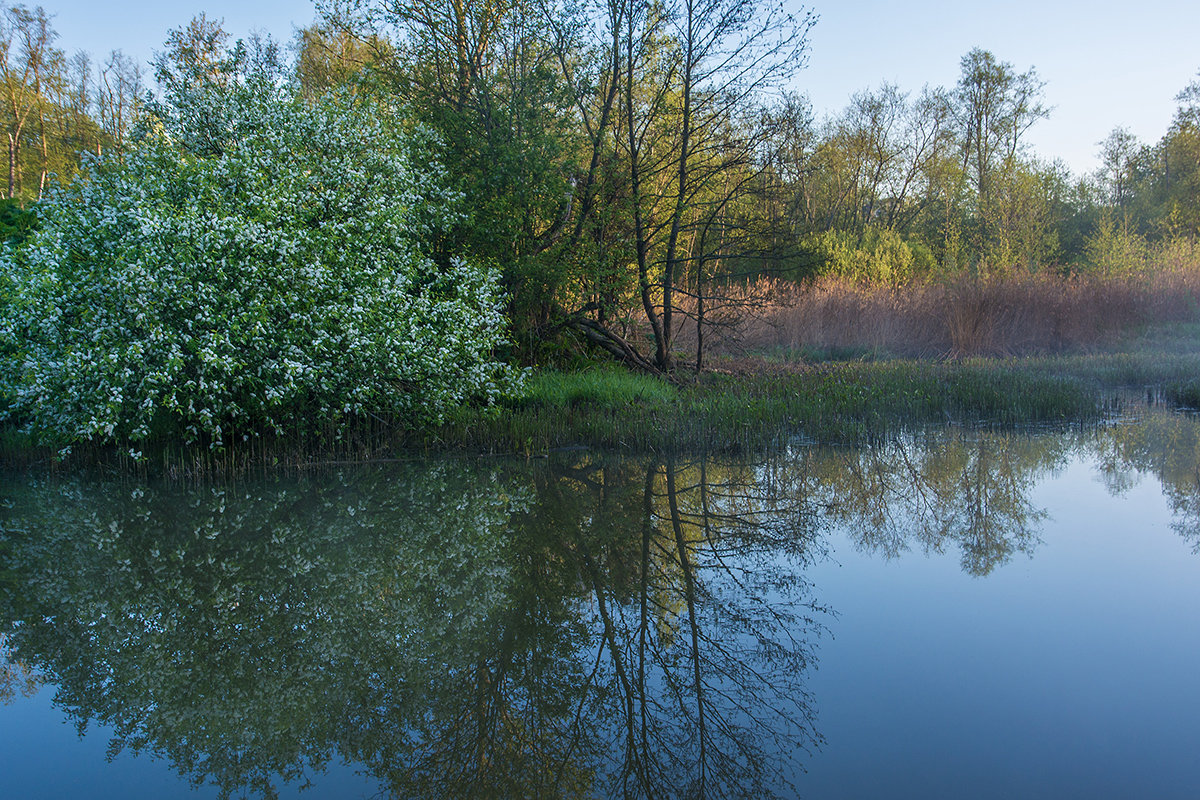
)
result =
(832, 317)
(615, 410)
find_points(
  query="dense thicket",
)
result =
(629, 167)
(253, 262)
(625, 163)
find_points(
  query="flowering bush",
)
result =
(271, 280)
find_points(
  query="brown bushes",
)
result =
(1016, 315)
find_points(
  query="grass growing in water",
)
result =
(610, 408)
(831, 403)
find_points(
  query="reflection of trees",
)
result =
(635, 628)
(970, 489)
(939, 488)
(460, 631)
(702, 646)
(1166, 445)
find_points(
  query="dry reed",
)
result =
(1015, 315)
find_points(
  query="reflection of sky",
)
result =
(42, 758)
(1070, 674)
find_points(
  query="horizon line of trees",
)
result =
(624, 162)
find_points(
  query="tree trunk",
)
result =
(12, 166)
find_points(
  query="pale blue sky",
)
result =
(1105, 63)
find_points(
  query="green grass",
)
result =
(829, 403)
(842, 402)
(607, 387)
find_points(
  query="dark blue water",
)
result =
(945, 614)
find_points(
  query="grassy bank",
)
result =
(745, 405)
(831, 403)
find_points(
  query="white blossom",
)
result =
(276, 283)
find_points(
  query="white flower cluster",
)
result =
(272, 280)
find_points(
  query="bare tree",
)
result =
(118, 96)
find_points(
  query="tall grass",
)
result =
(1016, 315)
(726, 411)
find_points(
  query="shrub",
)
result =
(880, 255)
(16, 223)
(1116, 251)
(273, 280)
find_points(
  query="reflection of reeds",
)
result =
(1016, 315)
(356, 441)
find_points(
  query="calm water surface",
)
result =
(949, 613)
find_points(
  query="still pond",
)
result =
(946, 613)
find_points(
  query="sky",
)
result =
(1105, 64)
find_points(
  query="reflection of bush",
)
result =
(239, 631)
(438, 624)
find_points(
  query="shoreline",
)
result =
(744, 405)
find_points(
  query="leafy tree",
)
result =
(996, 106)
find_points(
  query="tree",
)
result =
(1117, 154)
(27, 57)
(483, 76)
(195, 55)
(1180, 153)
(333, 54)
(686, 141)
(118, 97)
(598, 145)
(996, 106)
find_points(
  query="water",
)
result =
(946, 613)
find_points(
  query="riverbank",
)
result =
(738, 405)
(751, 403)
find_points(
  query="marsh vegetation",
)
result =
(371, 240)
